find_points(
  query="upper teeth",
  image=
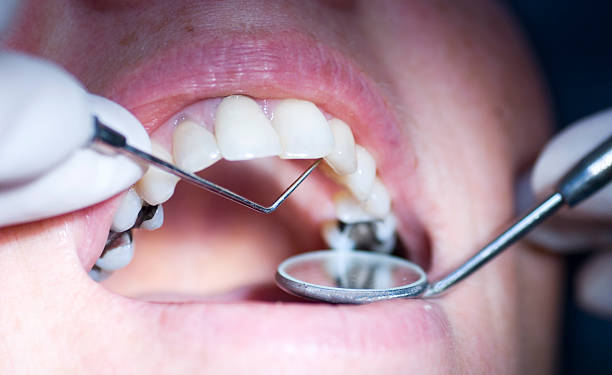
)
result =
(302, 129)
(361, 181)
(157, 186)
(156, 221)
(127, 212)
(243, 131)
(342, 159)
(349, 209)
(194, 147)
(290, 128)
(378, 202)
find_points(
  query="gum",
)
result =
(203, 113)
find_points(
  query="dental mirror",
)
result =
(350, 276)
(356, 277)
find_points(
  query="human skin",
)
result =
(443, 94)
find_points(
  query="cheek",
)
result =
(467, 92)
(460, 67)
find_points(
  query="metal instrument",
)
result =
(108, 137)
(356, 277)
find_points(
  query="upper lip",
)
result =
(282, 65)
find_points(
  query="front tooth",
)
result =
(303, 130)
(342, 159)
(243, 131)
(127, 212)
(156, 221)
(361, 181)
(118, 256)
(194, 148)
(378, 203)
(157, 186)
(349, 210)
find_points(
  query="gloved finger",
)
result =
(7, 10)
(44, 117)
(85, 178)
(567, 234)
(563, 151)
(594, 284)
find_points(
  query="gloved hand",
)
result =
(7, 9)
(587, 226)
(46, 122)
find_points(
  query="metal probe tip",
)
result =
(117, 141)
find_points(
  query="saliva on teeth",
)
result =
(240, 129)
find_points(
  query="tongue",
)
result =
(209, 246)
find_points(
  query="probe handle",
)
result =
(589, 175)
(108, 136)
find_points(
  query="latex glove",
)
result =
(46, 122)
(7, 9)
(587, 226)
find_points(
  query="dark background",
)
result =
(573, 42)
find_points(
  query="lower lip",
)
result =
(400, 325)
(392, 325)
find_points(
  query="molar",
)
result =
(342, 159)
(385, 228)
(127, 212)
(98, 275)
(118, 256)
(243, 131)
(194, 148)
(157, 186)
(303, 130)
(334, 237)
(156, 221)
(349, 210)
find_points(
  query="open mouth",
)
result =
(238, 128)
(200, 260)
(445, 106)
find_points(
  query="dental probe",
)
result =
(111, 138)
(307, 275)
(590, 174)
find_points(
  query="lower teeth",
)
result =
(98, 275)
(378, 235)
(117, 253)
(119, 248)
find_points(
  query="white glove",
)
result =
(588, 226)
(7, 8)
(46, 122)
